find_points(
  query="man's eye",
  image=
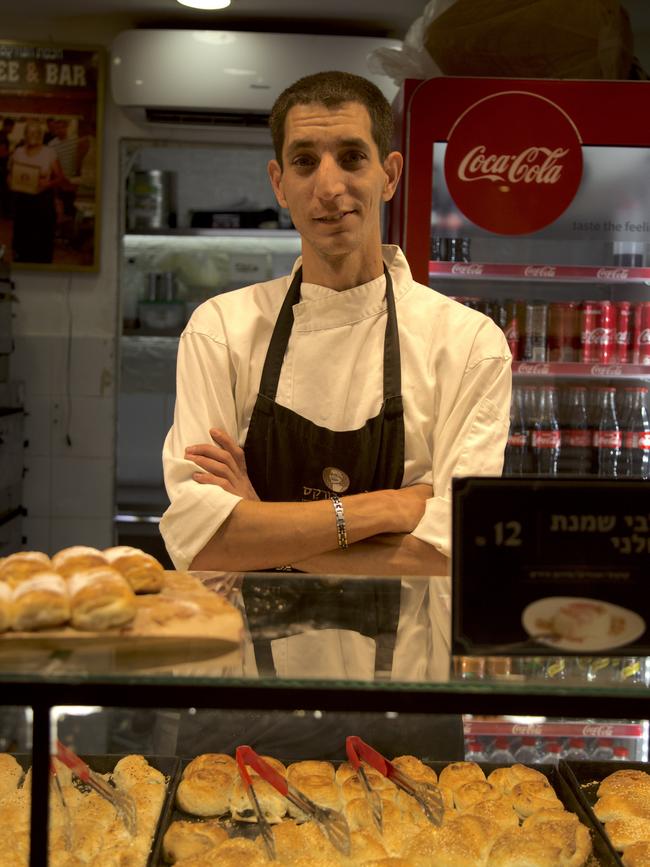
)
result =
(302, 162)
(352, 158)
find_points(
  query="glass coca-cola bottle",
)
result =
(547, 438)
(607, 436)
(635, 458)
(530, 407)
(575, 455)
(514, 463)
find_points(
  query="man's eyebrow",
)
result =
(310, 144)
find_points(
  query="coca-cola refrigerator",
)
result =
(529, 200)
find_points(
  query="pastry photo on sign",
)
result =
(577, 623)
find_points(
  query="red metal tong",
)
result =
(333, 823)
(427, 795)
(122, 801)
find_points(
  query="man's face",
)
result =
(333, 181)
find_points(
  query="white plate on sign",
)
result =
(580, 623)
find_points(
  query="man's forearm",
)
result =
(386, 554)
(260, 535)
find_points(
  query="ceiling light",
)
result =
(205, 4)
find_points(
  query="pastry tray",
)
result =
(586, 776)
(603, 853)
(104, 764)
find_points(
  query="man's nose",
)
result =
(329, 178)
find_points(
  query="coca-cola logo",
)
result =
(544, 271)
(466, 270)
(599, 336)
(606, 370)
(612, 274)
(598, 731)
(532, 165)
(644, 336)
(527, 730)
(513, 162)
(535, 369)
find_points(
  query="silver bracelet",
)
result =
(340, 521)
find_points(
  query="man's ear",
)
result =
(275, 176)
(393, 165)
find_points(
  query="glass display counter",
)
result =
(319, 658)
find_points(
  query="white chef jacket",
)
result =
(456, 385)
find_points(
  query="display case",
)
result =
(320, 658)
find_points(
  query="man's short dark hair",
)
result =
(332, 89)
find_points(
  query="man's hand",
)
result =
(223, 464)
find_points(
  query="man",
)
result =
(342, 399)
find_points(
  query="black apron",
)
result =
(289, 458)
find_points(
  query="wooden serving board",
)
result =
(182, 623)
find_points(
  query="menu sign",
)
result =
(547, 565)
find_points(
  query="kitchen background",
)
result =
(95, 371)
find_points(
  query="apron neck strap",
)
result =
(282, 332)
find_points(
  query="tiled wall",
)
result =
(69, 431)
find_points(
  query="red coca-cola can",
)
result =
(563, 332)
(607, 332)
(623, 331)
(641, 334)
(589, 328)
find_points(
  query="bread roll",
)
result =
(416, 769)
(234, 852)
(500, 810)
(457, 774)
(518, 847)
(11, 774)
(23, 564)
(143, 572)
(622, 806)
(321, 791)
(135, 770)
(293, 842)
(310, 769)
(100, 598)
(6, 606)
(364, 846)
(473, 793)
(567, 833)
(40, 602)
(624, 832)
(353, 787)
(272, 803)
(184, 839)
(637, 855)
(533, 795)
(624, 781)
(212, 762)
(205, 793)
(345, 771)
(78, 557)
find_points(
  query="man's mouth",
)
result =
(333, 218)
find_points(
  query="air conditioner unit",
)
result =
(223, 77)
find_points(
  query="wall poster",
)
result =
(51, 108)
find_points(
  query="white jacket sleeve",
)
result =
(471, 439)
(204, 400)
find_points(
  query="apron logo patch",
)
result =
(336, 480)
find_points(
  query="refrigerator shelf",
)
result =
(557, 729)
(539, 273)
(579, 369)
